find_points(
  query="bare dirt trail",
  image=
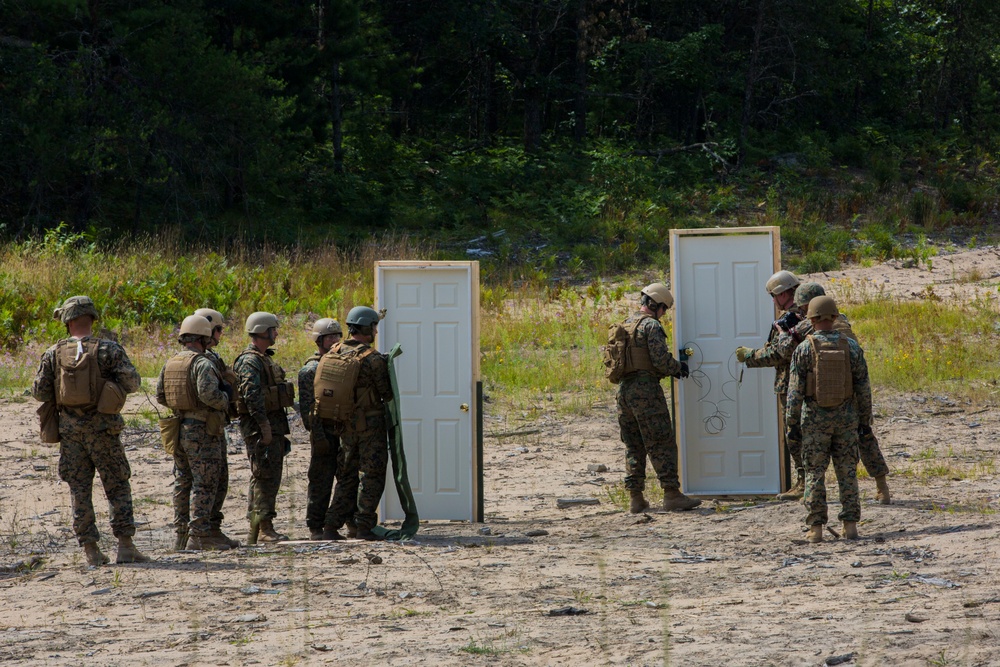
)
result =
(730, 583)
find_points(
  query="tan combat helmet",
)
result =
(325, 327)
(74, 307)
(213, 316)
(780, 282)
(823, 308)
(806, 292)
(258, 323)
(659, 293)
(196, 325)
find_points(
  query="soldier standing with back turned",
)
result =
(88, 378)
(263, 395)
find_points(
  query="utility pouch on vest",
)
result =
(336, 377)
(621, 356)
(112, 398)
(78, 377)
(170, 433)
(286, 394)
(831, 382)
(177, 386)
(216, 423)
(48, 420)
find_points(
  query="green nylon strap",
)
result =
(398, 457)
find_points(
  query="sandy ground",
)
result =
(731, 583)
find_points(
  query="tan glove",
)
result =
(265, 433)
(743, 352)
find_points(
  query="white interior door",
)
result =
(433, 313)
(727, 430)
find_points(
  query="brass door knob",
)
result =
(465, 407)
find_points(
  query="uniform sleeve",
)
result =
(44, 387)
(380, 368)
(250, 375)
(121, 369)
(161, 394)
(659, 352)
(206, 384)
(307, 377)
(862, 384)
(797, 383)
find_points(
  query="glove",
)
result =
(864, 430)
(227, 389)
(742, 353)
(265, 434)
(684, 372)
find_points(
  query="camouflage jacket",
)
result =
(114, 365)
(650, 334)
(251, 382)
(307, 389)
(207, 382)
(799, 407)
(773, 355)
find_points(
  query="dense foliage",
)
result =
(592, 125)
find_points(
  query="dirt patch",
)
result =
(731, 583)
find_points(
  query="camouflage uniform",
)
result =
(266, 461)
(829, 432)
(364, 445)
(220, 499)
(90, 441)
(325, 444)
(200, 455)
(643, 416)
(777, 355)
(868, 448)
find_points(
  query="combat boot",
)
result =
(330, 533)
(882, 494)
(218, 534)
(368, 535)
(637, 502)
(254, 529)
(352, 531)
(181, 541)
(796, 492)
(674, 500)
(268, 534)
(316, 534)
(208, 543)
(850, 530)
(94, 555)
(815, 533)
(128, 552)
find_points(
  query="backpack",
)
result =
(618, 361)
(830, 380)
(336, 377)
(78, 377)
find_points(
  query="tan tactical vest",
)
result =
(78, 380)
(278, 394)
(636, 358)
(335, 385)
(177, 386)
(830, 382)
(844, 327)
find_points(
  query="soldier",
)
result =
(364, 445)
(190, 384)
(218, 322)
(871, 454)
(323, 438)
(829, 395)
(781, 286)
(643, 416)
(87, 379)
(262, 396)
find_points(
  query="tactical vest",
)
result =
(830, 382)
(337, 395)
(78, 380)
(842, 326)
(177, 386)
(278, 394)
(636, 358)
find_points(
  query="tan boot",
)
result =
(882, 495)
(674, 500)
(95, 556)
(208, 543)
(330, 533)
(796, 492)
(850, 530)
(637, 502)
(352, 530)
(316, 534)
(268, 533)
(368, 535)
(217, 533)
(181, 541)
(815, 533)
(128, 552)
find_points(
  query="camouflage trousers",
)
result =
(820, 444)
(871, 456)
(266, 467)
(201, 471)
(325, 446)
(646, 430)
(81, 454)
(792, 444)
(361, 468)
